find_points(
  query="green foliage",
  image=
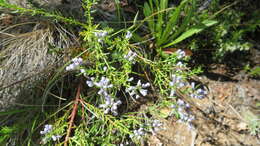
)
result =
(108, 56)
(6, 133)
(254, 72)
(229, 35)
(253, 122)
(170, 26)
(40, 12)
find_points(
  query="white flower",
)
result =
(180, 54)
(55, 137)
(180, 64)
(101, 34)
(130, 56)
(172, 93)
(130, 79)
(146, 85)
(128, 35)
(75, 63)
(47, 129)
(104, 68)
(192, 85)
(139, 88)
(110, 106)
(90, 82)
(143, 92)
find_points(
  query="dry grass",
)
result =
(23, 56)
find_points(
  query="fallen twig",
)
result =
(73, 115)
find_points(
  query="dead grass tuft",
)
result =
(24, 55)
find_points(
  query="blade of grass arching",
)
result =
(151, 19)
(173, 21)
(52, 82)
(186, 21)
(10, 112)
(118, 10)
(147, 13)
(134, 21)
(192, 31)
(29, 138)
(223, 9)
(159, 25)
(41, 12)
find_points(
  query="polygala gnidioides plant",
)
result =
(110, 77)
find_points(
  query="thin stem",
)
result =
(73, 114)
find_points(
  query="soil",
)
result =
(222, 119)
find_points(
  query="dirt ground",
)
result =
(224, 118)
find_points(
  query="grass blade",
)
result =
(173, 21)
(192, 31)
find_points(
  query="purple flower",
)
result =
(101, 34)
(76, 62)
(55, 137)
(47, 129)
(110, 106)
(130, 56)
(139, 88)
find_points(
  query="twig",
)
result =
(73, 115)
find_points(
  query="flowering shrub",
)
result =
(112, 77)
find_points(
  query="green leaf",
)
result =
(2, 1)
(147, 13)
(173, 21)
(192, 31)
(255, 72)
(7, 130)
(186, 21)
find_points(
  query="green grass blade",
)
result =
(173, 21)
(192, 31)
(10, 112)
(186, 21)
(147, 13)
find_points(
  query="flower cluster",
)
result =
(76, 62)
(180, 54)
(176, 82)
(197, 93)
(180, 64)
(110, 106)
(103, 85)
(139, 88)
(138, 133)
(156, 126)
(185, 116)
(126, 143)
(47, 129)
(179, 82)
(101, 34)
(130, 56)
